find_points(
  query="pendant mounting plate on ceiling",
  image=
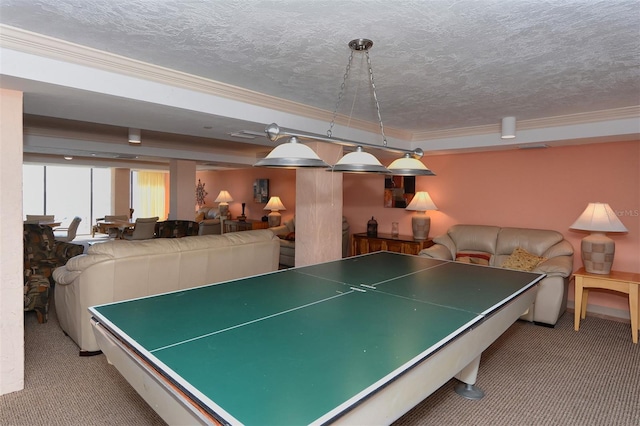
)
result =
(360, 44)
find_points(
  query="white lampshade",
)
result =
(421, 202)
(223, 197)
(598, 250)
(508, 128)
(292, 154)
(274, 205)
(409, 166)
(359, 161)
(599, 217)
(420, 222)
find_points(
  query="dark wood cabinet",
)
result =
(362, 244)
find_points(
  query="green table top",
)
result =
(290, 346)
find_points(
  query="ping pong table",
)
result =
(360, 340)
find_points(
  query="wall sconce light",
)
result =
(134, 136)
(597, 249)
(274, 205)
(508, 128)
(420, 222)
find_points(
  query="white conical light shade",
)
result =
(292, 154)
(223, 197)
(274, 204)
(421, 202)
(599, 217)
(409, 166)
(359, 162)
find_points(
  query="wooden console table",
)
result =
(624, 282)
(362, 244)
(244, 225)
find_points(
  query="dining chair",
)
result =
(67, 234)
(37, 218)
(143, 229)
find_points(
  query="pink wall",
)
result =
(545, 188)
(239, 183)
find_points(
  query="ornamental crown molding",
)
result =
(538, 123)
(49, 47)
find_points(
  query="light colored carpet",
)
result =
(532, 375)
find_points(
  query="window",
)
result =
(148, 194)
(67, 192)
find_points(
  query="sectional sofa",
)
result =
(120, 270)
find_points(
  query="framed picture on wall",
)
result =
(261, 190)
(399, 191)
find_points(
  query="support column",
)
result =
(319, 210)
(121, 191)
(182, 189)
(11, 261)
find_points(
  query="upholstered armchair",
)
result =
(144, 229)
(287, 234)
(209, 220)
(42, 254)
(176, 229)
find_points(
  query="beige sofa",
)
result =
(286, 232)
(120, 270)
(477, 243)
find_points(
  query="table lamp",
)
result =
(597, 249)
(420, 222)
(274, 205)
(223, 198)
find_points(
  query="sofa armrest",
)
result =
(437, 251)
(280, 230)
(556, 266)
(75, 266)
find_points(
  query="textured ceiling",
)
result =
(437, 64)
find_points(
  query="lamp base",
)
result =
(274, 219)
(224, 210)
(597, 253)
(420, 225)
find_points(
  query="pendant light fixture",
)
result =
(359, 161)
(292, 154)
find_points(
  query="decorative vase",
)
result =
(242, 217)
(372, 228)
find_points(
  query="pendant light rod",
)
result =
(275, 132)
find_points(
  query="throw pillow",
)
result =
(291, 236)
(522, 260)
(199, 217)
(473, 257)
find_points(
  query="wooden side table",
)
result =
(624, 282)
(244, 225)
(362, 244)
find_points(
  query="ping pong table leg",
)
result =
(468, 376)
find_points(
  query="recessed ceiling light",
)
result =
(208, 127)
(68, 157)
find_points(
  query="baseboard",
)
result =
(612, 314)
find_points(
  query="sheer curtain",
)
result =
(149, 195)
